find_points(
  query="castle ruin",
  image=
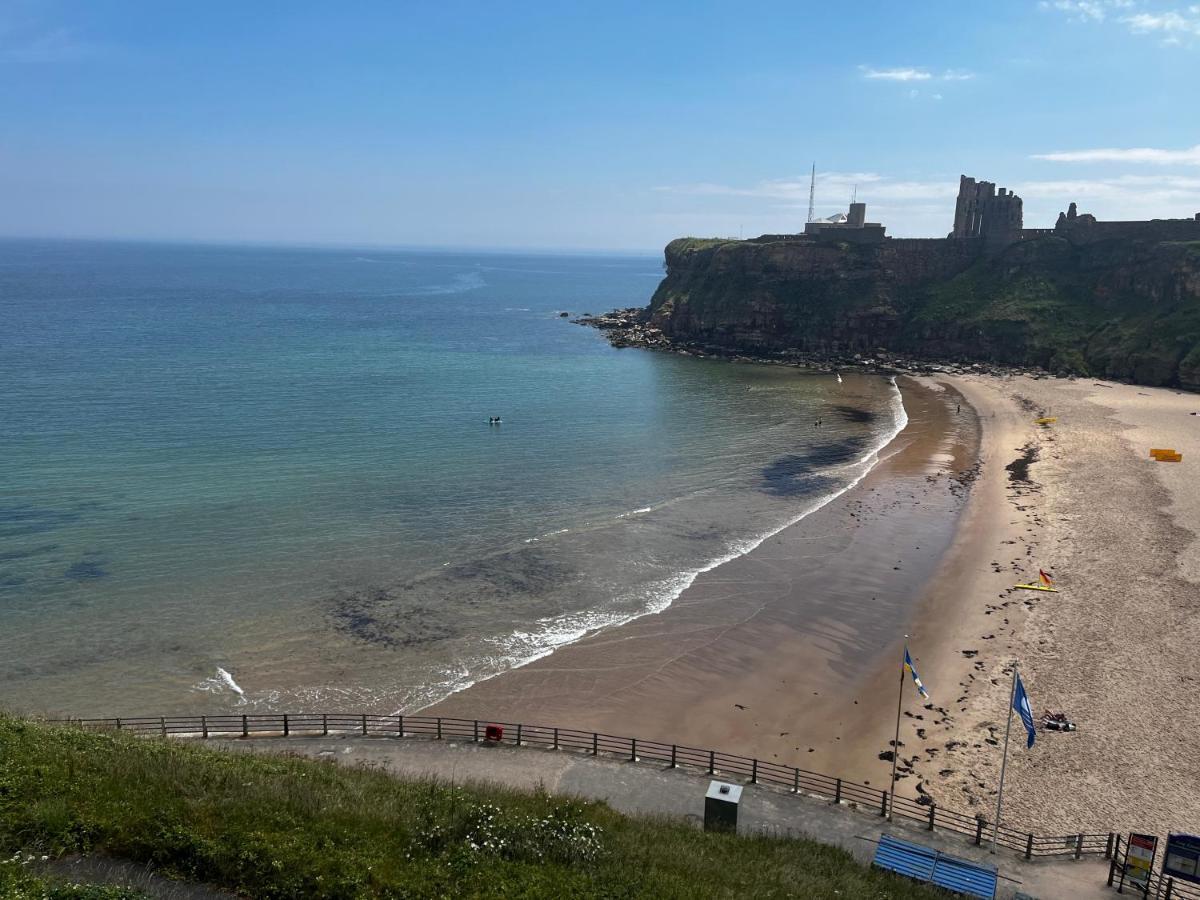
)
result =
(992, 218)
(984, 212)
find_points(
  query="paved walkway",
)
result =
(649, 789)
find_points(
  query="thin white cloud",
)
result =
(906, 74)
(1152, 155)
(913, 73)
(1171, 23)
(1080, 10)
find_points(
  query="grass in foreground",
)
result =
(288, 827)
(18, 883)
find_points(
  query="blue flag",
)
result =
(908, 667)
(1021, 705)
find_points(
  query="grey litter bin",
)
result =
(721, 806)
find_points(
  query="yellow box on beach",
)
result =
(1046, 421)
(1157, 452)
(1172, 457)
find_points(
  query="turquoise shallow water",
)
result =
(278, 462)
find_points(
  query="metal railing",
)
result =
(712, 762)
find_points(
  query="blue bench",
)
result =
(926, 864)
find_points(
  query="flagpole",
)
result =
(896, 742)
(1004, 763)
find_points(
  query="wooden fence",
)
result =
(712, 762)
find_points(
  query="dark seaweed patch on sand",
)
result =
(1018, 469)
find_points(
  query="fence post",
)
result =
(439, 737)
(754, 771)
(364, 723)
(325, 725)
(1029, 847)
(162, 723)
(932, 813)
(796, 782)
(837, 790)
(1108, 847)
(595, 744)
(1078, 846)
(1170, 887)
(883, 803)
(118, 724)
(286, 728)
(1112, 866)
(518, 734)
(712, 762)
(476, 732)
(633, 749)
(673, 752)
(245, 726)
(204, 725)
(400, 725)
(978, 831)
(555, 738)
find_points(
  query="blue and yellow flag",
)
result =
(1021, 705)
(908, 667)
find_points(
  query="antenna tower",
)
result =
(812, 191)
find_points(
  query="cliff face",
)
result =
(1114, 309)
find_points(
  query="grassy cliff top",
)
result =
(286, 827)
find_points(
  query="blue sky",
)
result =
(590, 126)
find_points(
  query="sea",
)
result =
(265, 478)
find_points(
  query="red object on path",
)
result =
(493, 733)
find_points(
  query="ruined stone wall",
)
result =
(1090, 231)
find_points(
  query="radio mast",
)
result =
(812, 191)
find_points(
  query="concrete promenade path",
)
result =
(639, 788)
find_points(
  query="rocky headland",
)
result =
(1123, 309)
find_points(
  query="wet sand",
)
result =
(774, 654)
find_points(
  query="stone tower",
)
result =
(982, 211)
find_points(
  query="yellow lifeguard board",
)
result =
(1161, 454)
(1048, 420)
(1037, 587)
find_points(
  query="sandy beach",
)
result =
(1114, 648)
(791, 652)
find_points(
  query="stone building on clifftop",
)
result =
(984, 212)
(852, 228)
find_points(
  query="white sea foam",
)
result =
(228, 679)
(635, 512)
(220, 683)
(534, 540)
(522, 647)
